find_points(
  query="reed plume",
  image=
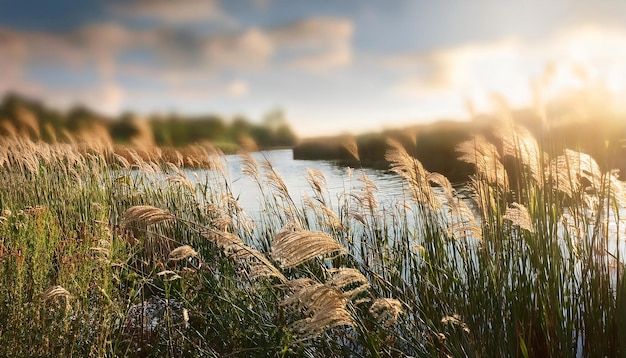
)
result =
(455, 320)
(324, 306)
(519, 143)
(573, 172)
(291, 248)
(412, 170)
(343, 278)
(386, 311)
(461, 221)
(181, 253)
(519, 216)
(349, 143)
(145, 214)
(486, 160)
(26, 118)
(316, 180)
(54, 292)
(181, 180)
(236, 249)
(249, 166)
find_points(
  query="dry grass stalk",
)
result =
(386, 310)
(292, 248)
(519, 216)
(181, 253)
(145, 214)
(324, 305)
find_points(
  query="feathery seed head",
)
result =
(292, 248)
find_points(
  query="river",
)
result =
(294, 173)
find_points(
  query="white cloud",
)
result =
(510, 66)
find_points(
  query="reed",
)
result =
(110, 253)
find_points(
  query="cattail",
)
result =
(292, 248)
(145, 214)
(386, 311)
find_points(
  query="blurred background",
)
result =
(276, 71)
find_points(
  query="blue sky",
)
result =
(332, 66)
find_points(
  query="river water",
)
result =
(341, 180)
(294, 173)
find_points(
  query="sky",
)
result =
(332, 66)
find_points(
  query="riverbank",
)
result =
(435, 144)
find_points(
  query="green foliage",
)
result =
(171, 130)
(435, 275)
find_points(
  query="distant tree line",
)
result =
(20, 115)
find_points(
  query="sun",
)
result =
(589, 59)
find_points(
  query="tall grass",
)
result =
(109, 255)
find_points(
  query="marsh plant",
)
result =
(103, 254)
